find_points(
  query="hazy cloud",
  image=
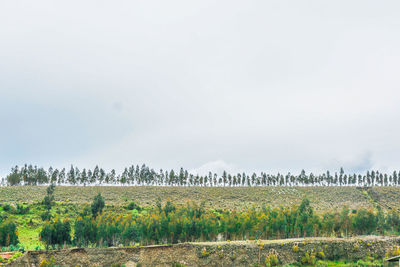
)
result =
(218, 167)
(260, 85)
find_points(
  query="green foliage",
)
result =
(8, 234)
(21, 209)
(85, 231)
(204, 253)
(173, 224)
(7, 207)
(321, 255)
(364, 222)
(56, 233)
(178, 264)
(362, 263)
(16, 247)
(135, 175)
(271, 259)
(306, 220)
(309, 258)
(48, 200)
(169, 207)
(48, 263)
(133, 206)
(46, 216)
(97, 205)
(50, 190)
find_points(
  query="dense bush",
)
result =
(46, 216)
(86, 231)
(21, 209)
(56, 233)
(8, 234)
(133, 206)
(97, 205)
(7, 207)
(48, 200)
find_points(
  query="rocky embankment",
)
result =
(237, 253)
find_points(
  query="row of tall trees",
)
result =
(135, 175)
(173, 224)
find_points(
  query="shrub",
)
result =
(97, 205)
(322, 264)
(368, 263)
(86, 232)
(395, 251)
(309, 258)
(46, 216)
(16, 247)
(48, 263)
(133, 206)
(8, 234)
(321, 255)
(272, 260)
(21, 209)
(204, 253)
(7, 207)
(56, 233)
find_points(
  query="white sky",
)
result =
(205, 85)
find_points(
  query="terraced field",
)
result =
(322, 198)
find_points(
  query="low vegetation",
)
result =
(239, 198)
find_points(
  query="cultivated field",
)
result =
(322, 198)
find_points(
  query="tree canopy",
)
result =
(140, 176)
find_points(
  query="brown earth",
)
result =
(238, 253)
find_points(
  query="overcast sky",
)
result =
(205, 85)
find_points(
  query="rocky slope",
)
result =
(238, 253)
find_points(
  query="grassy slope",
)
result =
(322, 198)
(71, 200)
(30, 224)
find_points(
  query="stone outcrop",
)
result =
(238, 253)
